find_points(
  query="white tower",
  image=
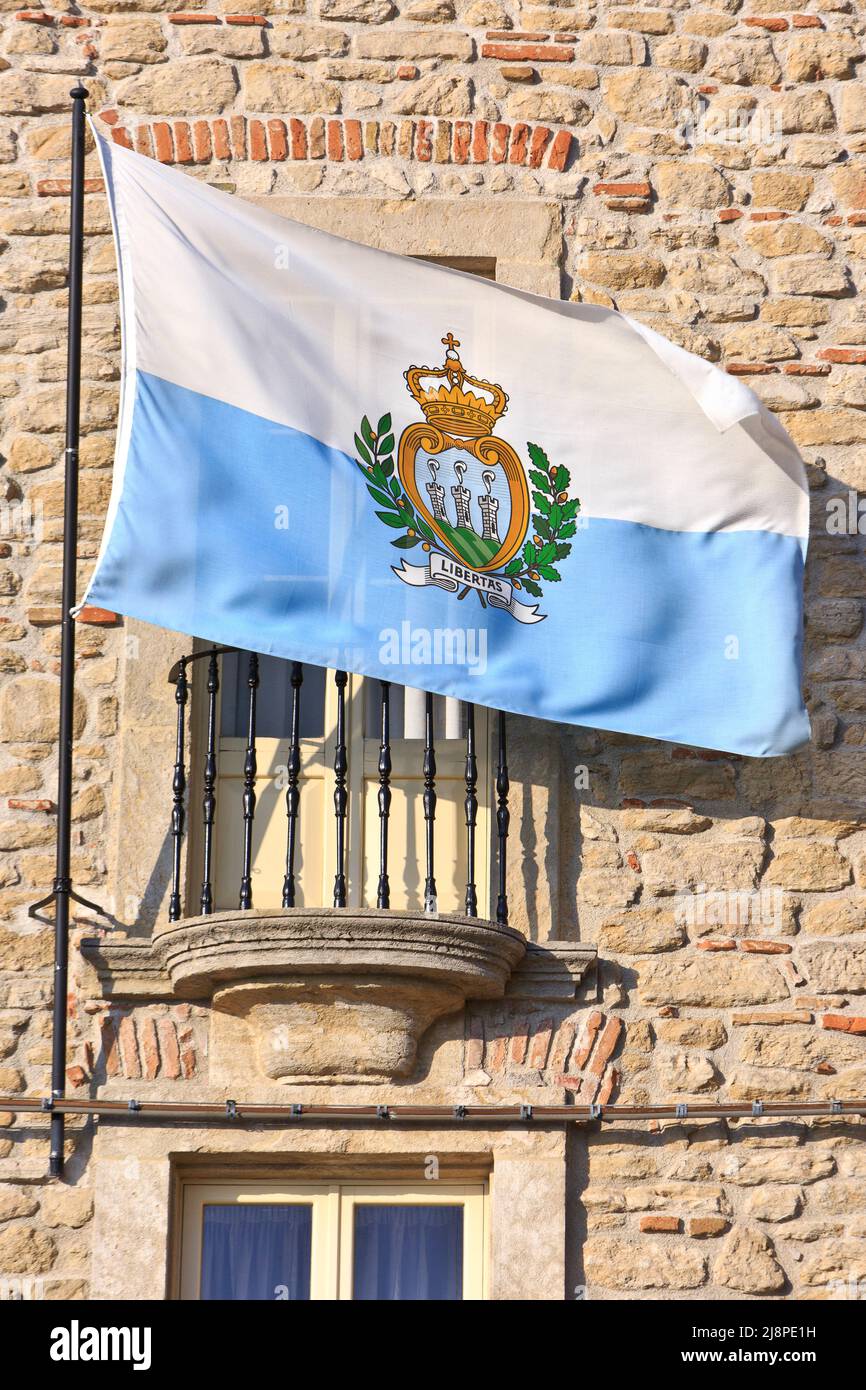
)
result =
(462, 497)
(489, 507)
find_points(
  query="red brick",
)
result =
(540, 1045)
(519, 1042)
(34, 16)
(259, 19)
(277, 143)
(608, 1086)
(407, 72)
(76, 1076)
(354, 142)
(462, 141)
(121, 136)
(143, 140)
(730, 215)
(559, 151)
(624, 190)
(562, 1044)
(72, 21)
(500, 142)
(717, 945)
(766, 948)
(807, 21)
(519, 142)
(59, 188)
(162, 142)
(201, 142)
(775, 25)
(298, 138)
(149, 1049)
(661, 1224)
(582, 1051)
(538, 144)
(853, 356)
(479, 142)
(109, 116)
(221, 146)
(335, 140)
(193, 17)
(767, 216)
(18, 803)
(168, 1048)
(258, 143)
(838, 1022)
(528, 52)
(496, 1055)
(317, 138)
(182, 142)
(128, 1046)
(806, 369)
(238, 127)
(587, 1090)
(98, 617)
(605, 1046)
(424, 141)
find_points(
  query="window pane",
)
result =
(408, 1253)
(407, 709)
(257, 1252)
(273, 700)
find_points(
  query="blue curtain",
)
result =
(257, 1252)
(408, 1253)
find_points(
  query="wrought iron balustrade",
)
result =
(248, 690)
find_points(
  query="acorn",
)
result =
(517, 584)
(533, 574)
(536, 540)
(562, 497)
(410, 532)
(425, 545)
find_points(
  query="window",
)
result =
(293, 1242)
(316, 862)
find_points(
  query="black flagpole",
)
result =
(62, 893)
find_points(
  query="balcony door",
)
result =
(316, 854)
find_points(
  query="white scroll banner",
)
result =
(450, 575)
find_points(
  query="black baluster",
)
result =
(503, 819)
(245, 900)
(210, 769)
(293, 791)
(341, 795)
(178, 789)
(383, 895)
(471, 807)
(429, 801)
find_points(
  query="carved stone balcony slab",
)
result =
(322, 995)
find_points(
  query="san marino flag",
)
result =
(363, 461)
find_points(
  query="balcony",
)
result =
(338, 855)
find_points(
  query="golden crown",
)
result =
(460, 412)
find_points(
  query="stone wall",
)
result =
(706, 163)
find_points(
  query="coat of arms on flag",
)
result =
(462, 494)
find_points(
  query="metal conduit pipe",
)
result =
(234, 1111)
